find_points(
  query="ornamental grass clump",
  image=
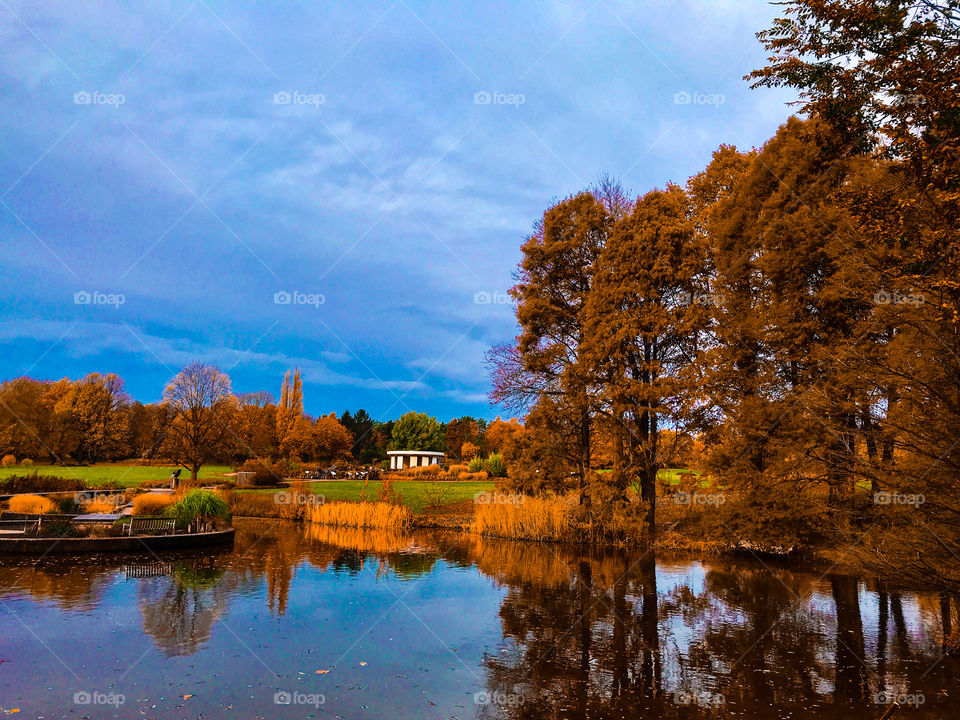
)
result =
(152, 503)
(34, 504)
(526, 518)
(201, 510)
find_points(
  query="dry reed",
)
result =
(152, 503)
(527, 518)
(363, 515)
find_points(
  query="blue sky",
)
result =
(172, 172)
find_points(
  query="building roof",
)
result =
(415, 452)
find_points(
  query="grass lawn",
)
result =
(410, 490)
(124, 475)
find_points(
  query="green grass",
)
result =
(123, 475)
(410, 490)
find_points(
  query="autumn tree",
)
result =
(202, 409)
(333, 441)
(643, 326)
(554, 281)
(291, 403)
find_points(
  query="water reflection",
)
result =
(604, 634)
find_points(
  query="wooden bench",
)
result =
(152, 525)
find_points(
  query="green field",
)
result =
(123, 475)
(410, 490)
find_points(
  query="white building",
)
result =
(400, 459)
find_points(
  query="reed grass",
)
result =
(31, 504)
(361, 515)
(100, 506)
(528, 518)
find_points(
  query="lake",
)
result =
(304, 622)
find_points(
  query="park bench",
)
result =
(151, 525)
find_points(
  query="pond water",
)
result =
(306, 622)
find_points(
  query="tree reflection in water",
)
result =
(584, 635)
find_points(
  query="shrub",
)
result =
(152, 503)
(262, 505)
(26, 462)
(496, 466)
(40, 483)
(201, 508)
(362, 515)
(473, 477)
(475, 465)
(455, 470)
(31, 504)
(8, 460)
(265, 473)
(433, 496)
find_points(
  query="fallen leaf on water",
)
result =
(322, 672)
(187, 696)
(362, 664)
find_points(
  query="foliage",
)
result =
(435, 495)
(152, 503)
(8, 460)
(417, 431)
(495, 465)
(200, 507)
(476, 464)
(39, 484)
(35, 504)
(265, 473)
(468, 450)
(388, 493)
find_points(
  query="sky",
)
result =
(339, 187)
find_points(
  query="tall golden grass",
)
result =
(31, 504)
(152, 503)
(102, 505)
(362, 539)
(535, 518)
(362, 515)
(263, 505)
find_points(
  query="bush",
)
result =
(8, 460)
(32, 504)
(201, 508)
(496, 466)
(265, 473)
(433, 496)
(40, 483)
(152, 503)
(26, 462)
(102, 505)
(455, 470)
(475, 465)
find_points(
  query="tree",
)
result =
(554, 280)
(417, 431)
(333, 440)
(460, 431)
(643, 326)
(201, 409)
(500, 433)
(291, 404)
(362, 426)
